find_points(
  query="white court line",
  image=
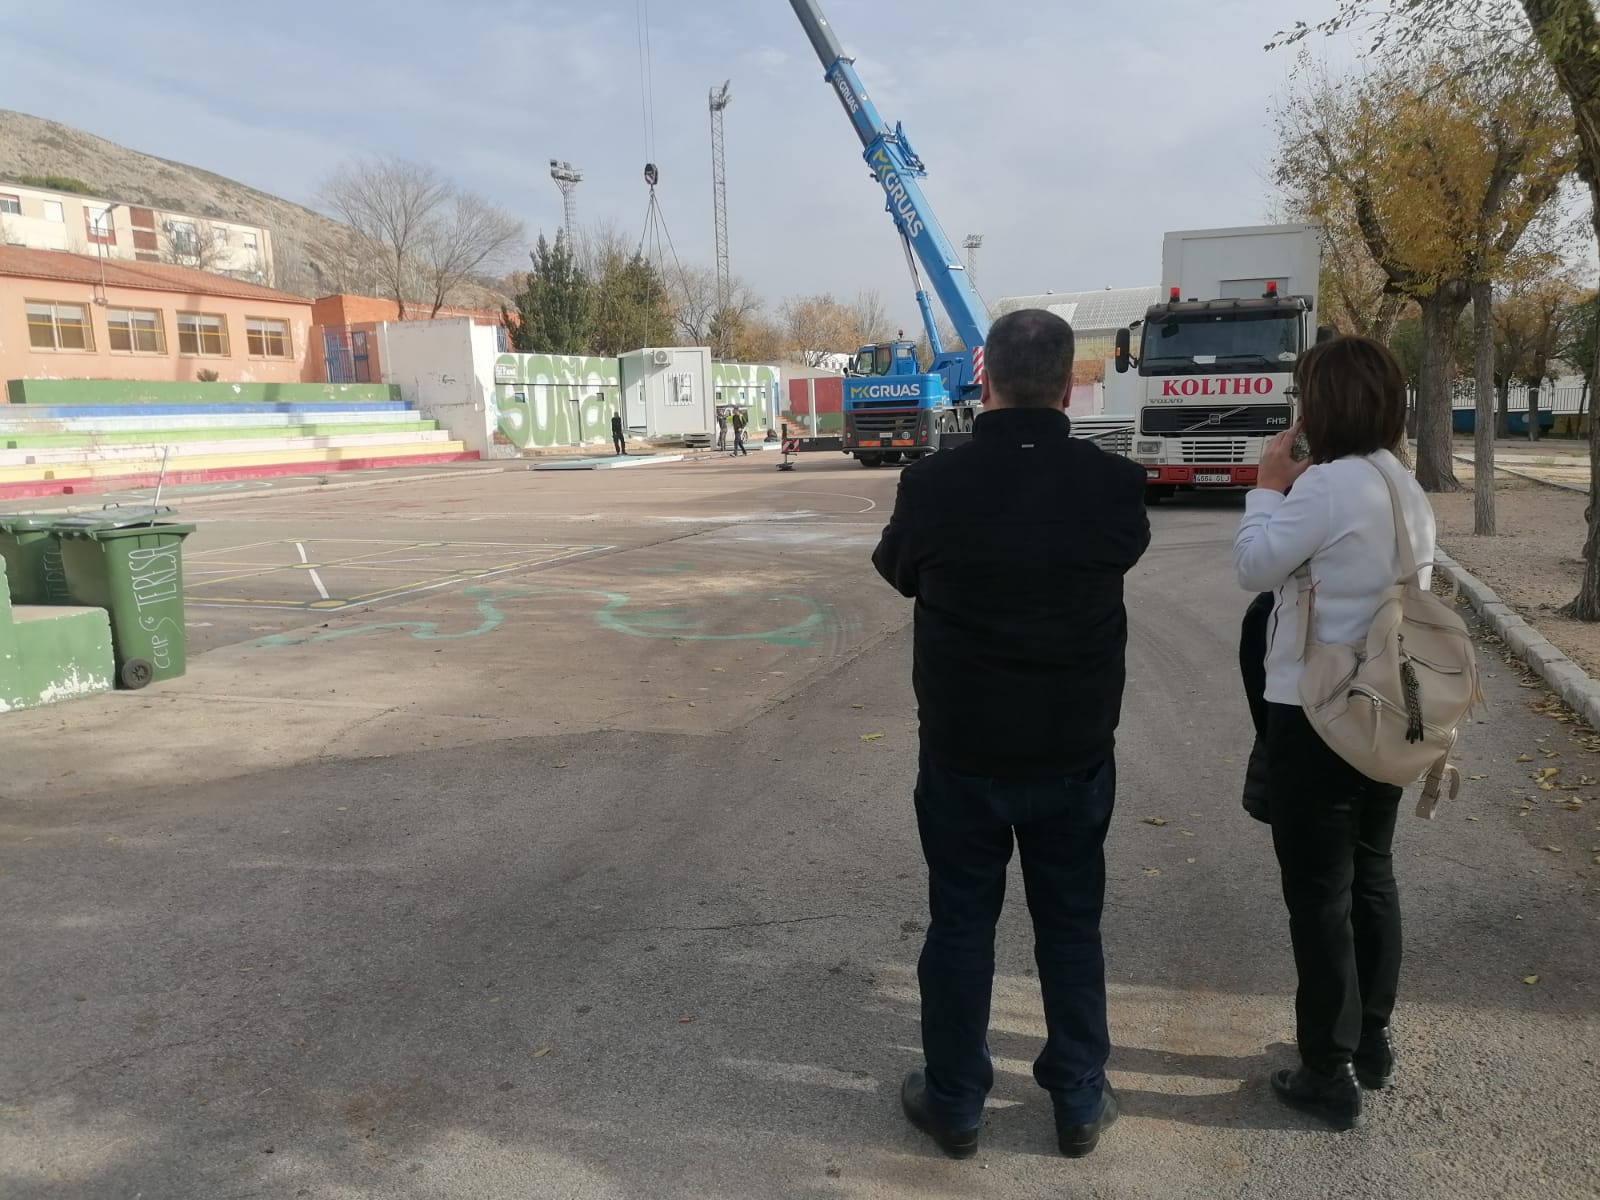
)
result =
(316, 579)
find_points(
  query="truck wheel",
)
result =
(1159, 494)
(870, 460)
(891, 457)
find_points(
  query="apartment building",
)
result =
(39, 218)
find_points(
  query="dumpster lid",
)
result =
(113, 516)
(27, 522)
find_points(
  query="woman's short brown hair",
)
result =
(1352, 398)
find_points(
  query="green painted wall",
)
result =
(748, 385)
(63, 655)
(105, 391)
(555, 399)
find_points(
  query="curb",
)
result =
(1563, 676)
(1531, 478)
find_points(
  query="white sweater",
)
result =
(1338, 517)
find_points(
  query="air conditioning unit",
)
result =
(661, 358)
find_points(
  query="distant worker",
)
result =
(722, 429)
(617, 439)
(740, 420)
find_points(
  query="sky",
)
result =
(1069, 134)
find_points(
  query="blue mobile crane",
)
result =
(892, 408)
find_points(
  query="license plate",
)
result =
(1212, 477)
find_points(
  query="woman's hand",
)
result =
(1279, 469)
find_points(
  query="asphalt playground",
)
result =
(548, 834)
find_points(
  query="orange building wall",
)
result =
(19, 360)
(369, 310)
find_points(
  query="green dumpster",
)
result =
(33, 558)
(127, 562)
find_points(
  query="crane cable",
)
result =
(647, 82)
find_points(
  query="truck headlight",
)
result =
(1147, 449)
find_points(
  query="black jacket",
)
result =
(1014, 547)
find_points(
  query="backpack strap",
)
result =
(1402, 535)
(1440, 773)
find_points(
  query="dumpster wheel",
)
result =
(136, 672)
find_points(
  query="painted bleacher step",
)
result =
(151, 450)
(153, 434)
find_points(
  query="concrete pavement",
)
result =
(618, 895)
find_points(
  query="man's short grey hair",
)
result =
(1028, 359)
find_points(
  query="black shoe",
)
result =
(1374, 1059)
(957, 1143)
(1077, 1141)
(1335, 1098)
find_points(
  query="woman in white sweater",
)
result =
(1332, 827)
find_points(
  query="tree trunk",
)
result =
(1502, 424)
(1483, 424)
(1440, 312)
(1533, 412)
(1585, 605)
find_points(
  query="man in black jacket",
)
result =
(1014, 547)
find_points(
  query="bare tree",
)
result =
(699, 318)
(473, 238)
(870, 319)
(815, 327)
(394, 204)
(191, 242)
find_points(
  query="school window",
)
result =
(135, 331)
(249, 241)
(267, 338)
(54, 212)
(99, 226)
(202, 333)
(59, 326)
(10, 204)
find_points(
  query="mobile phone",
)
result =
(1301, 450)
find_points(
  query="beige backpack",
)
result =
(1389, 705)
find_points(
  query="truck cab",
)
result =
(1216, 361)
(886, 358)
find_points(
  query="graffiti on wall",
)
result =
(751, 386)
(555, 399)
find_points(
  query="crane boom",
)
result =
(897, 168)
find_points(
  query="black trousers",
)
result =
(1333, 829)
(621, 446)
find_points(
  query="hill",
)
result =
(313, 255)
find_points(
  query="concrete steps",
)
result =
(148, 451)
(61, 447)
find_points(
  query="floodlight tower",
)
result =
(567, 178)
(972, 245)
(720, 98)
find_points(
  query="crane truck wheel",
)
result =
(891, 457)
(870, 460)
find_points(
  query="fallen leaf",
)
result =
(1530, 980)
(1546, 773)
(542, 1051)
(1472, 818)
(1555, 849)
(870, 737)
(559, 766)
(719, 668)
(685, 1020)
(1191, 861)
(1524, 758)
(858, 706)
(1152, 871)
(1477, 777)
(1155, 820)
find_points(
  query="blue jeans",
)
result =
(967, 826)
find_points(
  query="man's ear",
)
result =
(988, 396)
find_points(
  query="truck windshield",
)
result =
(1220, 343)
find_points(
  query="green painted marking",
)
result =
(672, 624)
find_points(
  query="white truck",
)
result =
(1216, 359)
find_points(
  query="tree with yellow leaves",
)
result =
(1441, 172)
